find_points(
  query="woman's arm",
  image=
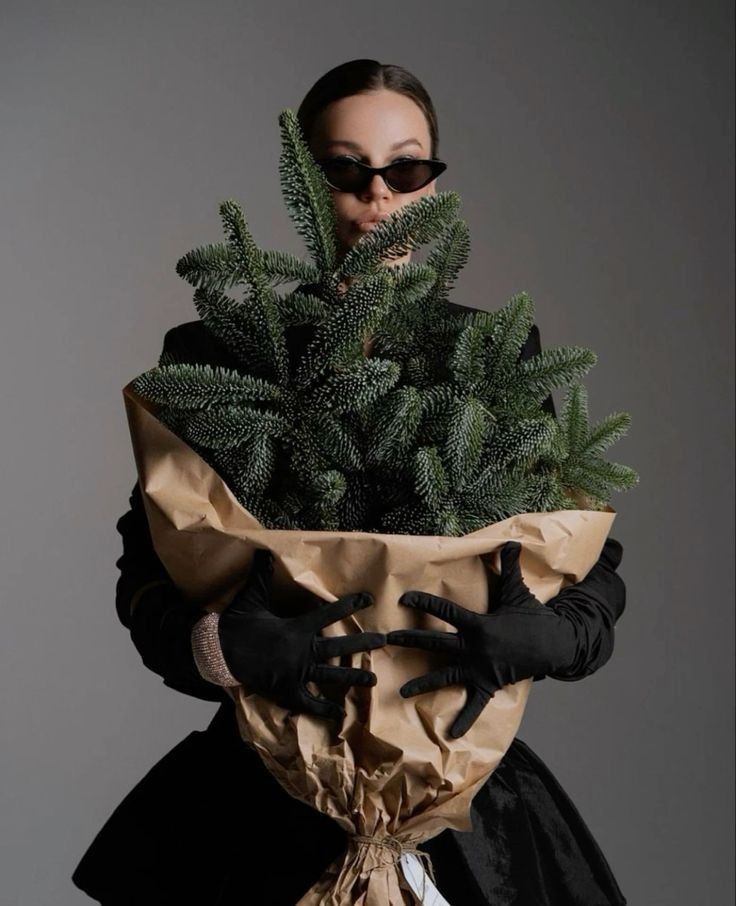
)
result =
(159, 618)
(593, 605)
(148, 602)
(596, 602)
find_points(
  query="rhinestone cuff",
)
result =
(208, 653)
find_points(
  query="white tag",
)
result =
(420, 882)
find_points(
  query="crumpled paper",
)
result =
(392, 774)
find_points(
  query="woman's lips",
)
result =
(369, 222)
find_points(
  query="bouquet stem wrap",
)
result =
(392, 777)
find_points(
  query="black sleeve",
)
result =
(593, 605)
(596, 602)
(159, 618)
(148, 603)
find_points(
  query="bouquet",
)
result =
(373, 437)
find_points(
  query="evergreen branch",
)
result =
(334, 442)
(430, 479)
(540, 374)
(342, 335)
(236, 325)
(251, 465)
(466, 432)
(598, 477)
(188, 386)
(224, 427)
(468, 357)
(407, 228)
(242, 249)
(354, 506)
(510, 330)
(396, 426)
(262, 297)
(301, 308)
(401, 328)
(437, 401)
(606, 433)
(211, 266)
(357, 386)
(449, 256)
(307, 195)
(412, 281)
(487, 321)
(519, 441)
(446, 522)
(574, 419)
(328, 489)
(284, 267)
(500, 494)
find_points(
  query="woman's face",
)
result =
(376, 128)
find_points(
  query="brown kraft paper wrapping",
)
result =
(392, 771)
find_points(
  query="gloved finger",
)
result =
(321, 707)
(514, 589)
(510, 568)
(350, 676)
(326, 647)
(425, 639)
(436, 679)
(476, 702)
(329, 613)
(256, 593)
(446, 610)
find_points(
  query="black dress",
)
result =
(181, 835)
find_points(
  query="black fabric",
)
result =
(209, 818)
(209, 826)
(159, 620)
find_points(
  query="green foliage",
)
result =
(399, 413)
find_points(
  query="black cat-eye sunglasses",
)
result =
(410, 175)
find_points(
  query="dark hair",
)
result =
(359, 77)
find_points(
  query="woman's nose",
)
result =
(376, 188)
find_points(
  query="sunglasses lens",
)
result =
(346, 176)
(409, 176)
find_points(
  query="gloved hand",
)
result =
(518, 638)
(276, 656)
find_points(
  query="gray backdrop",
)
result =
(592, 145)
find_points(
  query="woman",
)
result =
(208, 824)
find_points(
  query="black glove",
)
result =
(518, 638)
(276, 656)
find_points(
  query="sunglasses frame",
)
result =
(437, 167)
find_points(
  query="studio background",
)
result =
(592, 146)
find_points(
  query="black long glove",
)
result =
(277, 656)
(517, 639)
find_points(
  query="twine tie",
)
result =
(395, 849)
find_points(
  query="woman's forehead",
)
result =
(367, 121)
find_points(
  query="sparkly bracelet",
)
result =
(208, 653)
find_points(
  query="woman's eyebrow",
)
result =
(356, 147)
